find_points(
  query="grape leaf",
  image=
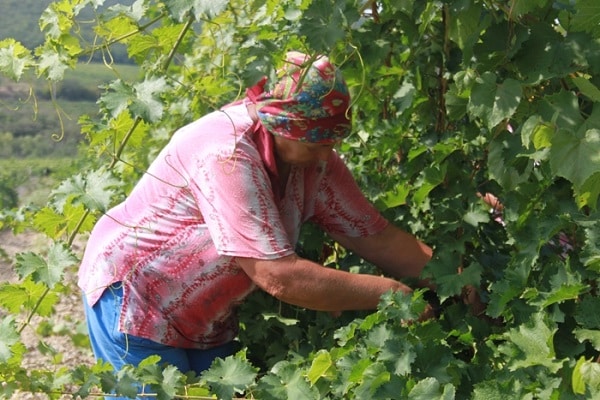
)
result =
(592, 335)
(285, 381)
(48, 271)
(575, 157)
(319, 366)
(229, 376)
(534, 341)
(494, 102)
(590, 254)
(182, 8)
(117, 98)
(94, 190)
(8, 337)
(53, 65)
(26, 295)
(587, 17)
(431, 389)
(14, 58)
(522, 7)
(146, 102)
(400, 354)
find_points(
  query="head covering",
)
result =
(309, 103)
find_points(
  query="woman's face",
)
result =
(301, 154)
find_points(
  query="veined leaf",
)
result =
(55, 224)
(494, 102)
(588, 194)
(586, 375)
(576, 157)
(49, 271)
(8, 337)
(590, 254)
(519, 8)
(19, 297)
(93, 190)
(146, 102)
(431, 389)
(14, 58)
(587, 88)
(56, 19)
(319, 367)
(53, 64)
(587, 17)
(181, 9)
(593, 335)
(534, 341)
(229, 376)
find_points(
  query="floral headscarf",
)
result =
(309, 103)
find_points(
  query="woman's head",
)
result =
(309, 103)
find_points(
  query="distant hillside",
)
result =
(22, 21)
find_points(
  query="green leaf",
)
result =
(400, 354)
(564, 292)
(519, 8)
(23, 296)
(534, 341)
(229, 376)
(429, 180)
(431, 389)
(587, 88)
(147, 103)
(590, 254)
(285, 381)
(576, 157)
(494, 102)
(587, 17)
(49, 272)
(453, 283)
(14, 58)
(118, 97)
(53, 65)
(393, 198)
(181, 9)
(374, 376)
(586, 375)
(593, 336)
(172, 382)
(94, 190)
(8, 337)
(476, 215)
(535, 131)
(588, 193)
(587, 313)
(320, 365)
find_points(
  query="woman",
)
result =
(218, 214)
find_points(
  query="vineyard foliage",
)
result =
(451, 99)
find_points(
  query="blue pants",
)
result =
(117, 348)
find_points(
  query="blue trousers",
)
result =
(117, 348)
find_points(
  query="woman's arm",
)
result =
(307, 284)
(394, 251)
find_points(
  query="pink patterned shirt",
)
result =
(205, 200)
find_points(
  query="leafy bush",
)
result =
(451, 99)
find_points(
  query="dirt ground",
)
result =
(68, 315)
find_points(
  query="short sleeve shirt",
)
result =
(205, 200)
